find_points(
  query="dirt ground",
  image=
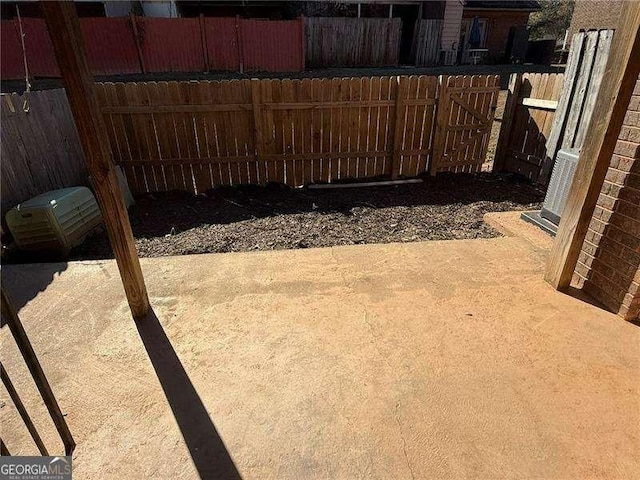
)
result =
(246, 218)
(495, 131)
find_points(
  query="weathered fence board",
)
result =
(466, 106)
(196, 135)
(352, 42)
(427, 39)
(587, 88)
(522, 146)
(552, 111)
(585, 68)
(39, 147)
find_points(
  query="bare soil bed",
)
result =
(236, 219)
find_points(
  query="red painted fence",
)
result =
(11, 63)
(125, 45)
(272, 46)
(111, 48)
(171, 44)
(223, 43)
(39, 51)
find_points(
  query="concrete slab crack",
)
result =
(365, 319)
(404, 442)
(340, 271)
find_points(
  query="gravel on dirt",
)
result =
(245, 218)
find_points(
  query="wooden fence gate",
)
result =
(466, 106)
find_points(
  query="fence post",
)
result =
(203, 37)
(398, 126)
(136, 38)
(442, 119)
(239, 42)
(258, 140)
(515, 81)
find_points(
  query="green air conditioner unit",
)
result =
(55, 221)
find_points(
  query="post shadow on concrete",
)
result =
(207, 450)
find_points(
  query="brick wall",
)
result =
(499, 24)
(609, 265)
(595, 15)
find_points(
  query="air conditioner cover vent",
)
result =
(57, 220)
(559, 185)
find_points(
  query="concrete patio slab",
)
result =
(424, 360)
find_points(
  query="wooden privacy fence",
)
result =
(352, 42)
(39, 147)
(426, 44)
(546, 113)
(130, 45)
(197, 135)
(126, 45)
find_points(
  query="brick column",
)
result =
(609, 265)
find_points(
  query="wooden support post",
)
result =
(10, 316)
(15, 398)
(258, 138)
(64, 31)
(398, 126)
(611, 105)
(515, 81)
